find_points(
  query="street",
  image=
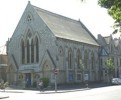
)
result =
(103, 93)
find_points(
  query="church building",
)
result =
(109, 48)
(45, 44)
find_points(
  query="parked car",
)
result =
(116, 81)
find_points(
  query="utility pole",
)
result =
(55, 73)
(55, 83)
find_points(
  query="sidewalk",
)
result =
(63, 88)
(62, 91)
(73, 88)
(2, 96)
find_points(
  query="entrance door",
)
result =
(28, 79)
(47, 70)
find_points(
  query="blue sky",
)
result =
(94, 17)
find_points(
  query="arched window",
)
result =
(32, 51)
(70, 59)
(111, 48)
(78, 59)
(22, 52)
(37, 49)
(29, 36)
(92, 60)
(85, 59)
(28, 52)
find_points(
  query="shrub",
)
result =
(3, 85)
(45, 82)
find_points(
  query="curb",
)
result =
(63, 91)
(4, 97)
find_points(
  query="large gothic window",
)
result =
(32, 51)
(23, 52)
(37, 49)
(70, 59)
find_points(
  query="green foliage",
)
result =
(109, 66)
(45, 82)
(81, 66)
(114, 10)
(3, 85)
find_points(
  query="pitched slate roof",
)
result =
(66, 28)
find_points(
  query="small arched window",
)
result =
(37, 49)
(111, 48)
(92, 60)
(22, 52)
(70, 59)
(78, 59)
(28, 52)
(85, 59)
(60, 50)
(32, 51)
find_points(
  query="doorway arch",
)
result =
(46, 70)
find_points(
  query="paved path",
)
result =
(61, 89)
(102, 93)
(3, 96)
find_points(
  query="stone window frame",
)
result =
(37, 48)
(86, 58)
(70, 58)
(30, 48)
(29, 17)
(22, 51)
(78, 58)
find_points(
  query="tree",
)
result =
(110, 67)
(114, 10)
(81, 66)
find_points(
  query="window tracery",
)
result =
(30, 52)
(29, 18)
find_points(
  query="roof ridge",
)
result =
(106, 36)
(88, 31)
(55, 14)
(66, 28)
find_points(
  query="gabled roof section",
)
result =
(108, 39)
(66, 28)
(116, 42)
(103, 52)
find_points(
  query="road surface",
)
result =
(103, 93)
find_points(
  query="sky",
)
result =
(95, 18)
